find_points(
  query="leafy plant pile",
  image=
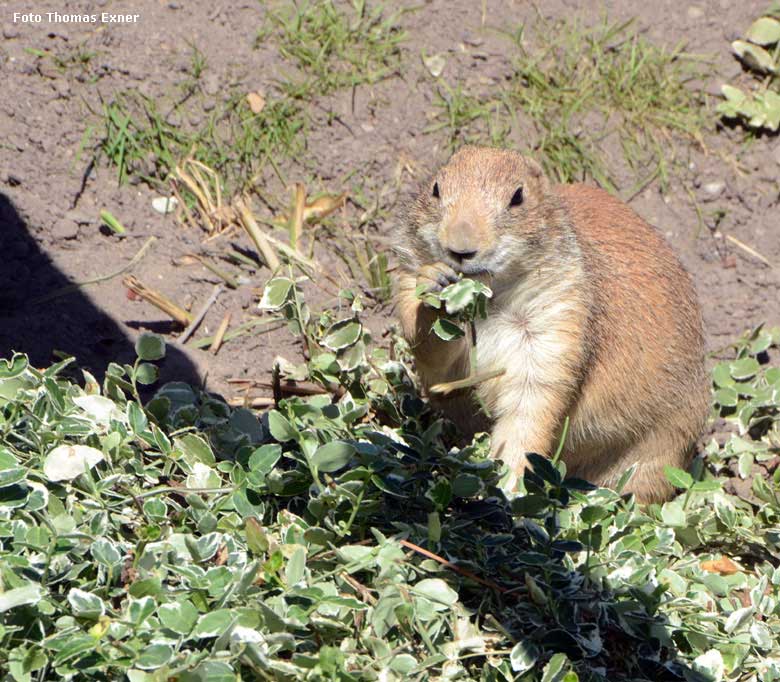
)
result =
(341, 537)
(747, 393)
(760, 53)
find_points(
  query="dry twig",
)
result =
(159, 301)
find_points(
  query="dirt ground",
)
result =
(50, 232)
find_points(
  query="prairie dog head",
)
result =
(481, 213)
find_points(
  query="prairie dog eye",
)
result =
(517, 197)
(435, 191)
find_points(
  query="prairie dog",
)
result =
(592, 317)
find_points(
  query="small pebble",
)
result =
(62, 87)
(435, 64)
(470, 39)
(80, 217)
(165, 205)
(211, 83)
(714, 189)
(64, 229)
(10, 31)
(695, 12)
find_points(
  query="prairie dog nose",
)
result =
(461, 241)
(461, 255)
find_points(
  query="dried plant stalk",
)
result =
(158, 300)
(219, 336)
(258, 237)
(258, 402)
(198, 318)
(468, 382)
(296, 220)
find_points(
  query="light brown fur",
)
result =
(593, 317)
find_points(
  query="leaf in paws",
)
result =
(446, 330)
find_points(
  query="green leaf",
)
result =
(195, 449)
(110, 221)
(738, 618)
(213, 624)
(466, 485)
(403, 664)
(745, 464)
(678, 478)
(710, 664)
(436, 590)
(276, 293)
(146, 374)
(85, 604)
(554, 670)
(154, 656)
(706, 486)
(446, 330)
(754, 57)
(66, 462)
(333, 456)
(726, 397)
(280, 427)
(264, 458)
(523, 656)
(105, 552)
(342, 334)
(764, 31)
(673, 514)
(593, 514)
(210, 671)
(76, 644)
(149, 346)
(721, 375)
(178, 616)
(10, 369)
(295, 568)
(20, 596)
(354, 553)
(544, 468)
(462, 294)
(12, 476)
(761, 635)
(745, 368)
(136, 418)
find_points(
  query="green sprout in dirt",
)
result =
(760, 53)
(73, 60)
(335, 46)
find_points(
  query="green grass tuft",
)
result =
(144, 142)
(333, 46)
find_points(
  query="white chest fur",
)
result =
(534, 332)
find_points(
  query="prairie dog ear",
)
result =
(536, 172)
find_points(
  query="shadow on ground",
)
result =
(35, 321)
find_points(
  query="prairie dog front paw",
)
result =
(435, 277)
